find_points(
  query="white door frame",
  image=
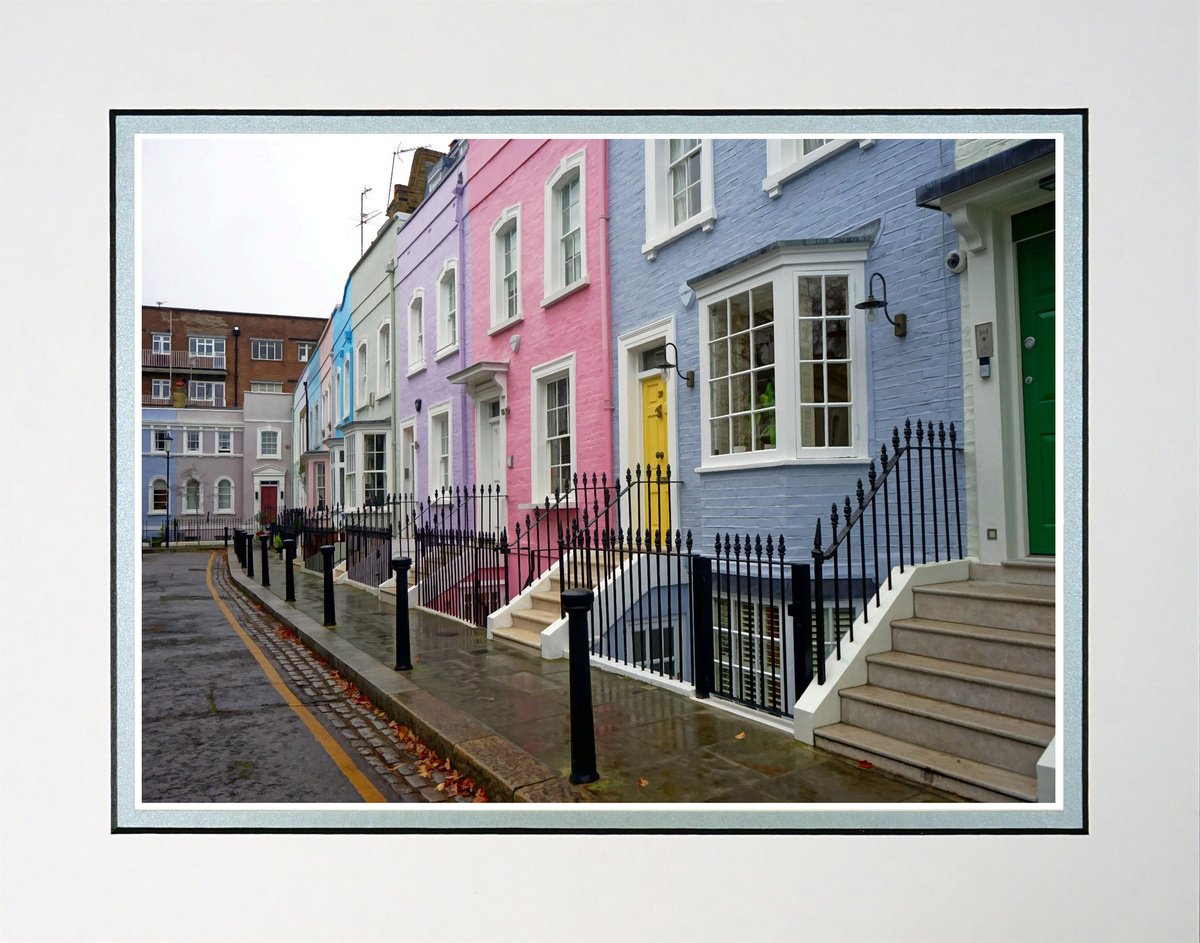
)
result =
(629, 386)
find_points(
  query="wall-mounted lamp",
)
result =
(417, 404)
(899, 322)
(515, 342)
(689, 377)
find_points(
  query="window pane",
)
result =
(719, 358)
(764, 346)
(764, 429)
(739, 312)
(839, 382)
(812, 427)
(839, 426)
(741, 434)
(739, 353)
(809, 297)
(720, 436)
(717, 321)
(740, 393)
(835, 296)
(719, 398)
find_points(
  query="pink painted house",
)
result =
(540, 327)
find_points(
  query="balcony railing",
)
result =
(214, 402)
(182, 360)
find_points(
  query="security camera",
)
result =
(956, 261)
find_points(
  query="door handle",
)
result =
(658, 455)
(658, 411)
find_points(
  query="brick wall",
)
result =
(920, 375)
(182, 322)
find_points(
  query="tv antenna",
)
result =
(363, 217)
(392, 175)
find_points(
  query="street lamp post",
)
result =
(167, 538)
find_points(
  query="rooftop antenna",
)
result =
(392, 175)
(363, 217)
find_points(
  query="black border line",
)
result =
(115, 828)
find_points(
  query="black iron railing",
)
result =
(463, 573)
(909, 513)
(593, 506)
(641, 616)
(193, 528)
(368, 545)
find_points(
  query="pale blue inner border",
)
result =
(658, 817)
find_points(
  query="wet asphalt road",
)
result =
(215, 729)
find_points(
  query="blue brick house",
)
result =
(749, 256)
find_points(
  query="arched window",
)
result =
(158, 496)
(192, 500)
(223, 496)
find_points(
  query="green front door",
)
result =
(1033, 243)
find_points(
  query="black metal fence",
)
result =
(641, 615)
(461, 573)
(592, 506)
(368, 545)
(901, 519)
(197, 528)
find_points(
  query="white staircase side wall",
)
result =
(819, 704)
(1047, 772)
(502, 617)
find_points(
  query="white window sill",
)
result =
(704, 220)
(380, 397)
(276, 457)
(504, 325)
(156, 513)
(774, 461)
(773, 183)
(446, 352)
(414, 369)
(561, 293)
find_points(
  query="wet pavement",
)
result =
(215, 728)
(652, 745)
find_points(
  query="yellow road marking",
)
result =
(365, 787)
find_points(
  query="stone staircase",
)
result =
(528, 624)
(964, 701)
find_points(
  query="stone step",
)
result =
(1021, 607)
(1031, 572)
(1012, 693)
(547, 602)
(533, 619)
(963, 777)
(521, 636)
(1025, 652)
(983, 736)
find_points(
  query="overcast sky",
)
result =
(264, 223)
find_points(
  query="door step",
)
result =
(964, 777)
(979, 735)
(1012, 693)
(1022, 607)
(1005, 649)
(521, 636)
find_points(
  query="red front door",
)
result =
(268, 502)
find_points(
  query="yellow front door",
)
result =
(656, 501)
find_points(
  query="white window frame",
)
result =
(199, 508)
(207, 345)
(375, 471)
(500, 318)
(258, 352)
(160, 343)
(783, 269)
(416, 331)
(187, 442)
(156, 436)
(303, 351)
(217, 509)
(572, 168)
(383, 380)
(347, 389)
(786, 158)
(150, 497)
(319, 483)
(278, 453)
(436, 455)
(447, 342)
(659, 228)
(276, 386)
(229, 434)
(218, 392)
(157, 387)
(363, 393)
(350, 499)
(539, 458)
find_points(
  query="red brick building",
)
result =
(212, 358)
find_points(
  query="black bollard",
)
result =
(237, 547)
(249, 554)
(227, 540)
(266, 569)
(327, 559)
(289, 557)
(577, 603)
(239, 537)
(400, 567)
